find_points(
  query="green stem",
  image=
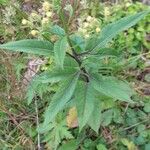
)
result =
(74, 55)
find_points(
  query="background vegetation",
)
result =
(123, 125)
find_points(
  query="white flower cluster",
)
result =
(88, 26)
(38, 20)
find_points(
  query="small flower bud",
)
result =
(128, 4)
(45, 20)
(33, 14)
(85, 25)
(46, 6)
(106, 11)
(40, 10)
(89, 19)
(49, 14)
(81, 30)
(94, 20)
(87, 36)
(98, 29)
(84, 31)
(34, 32)
(43, 68)
(24, 21)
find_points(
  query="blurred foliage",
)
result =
(137, 36)
(124, 127)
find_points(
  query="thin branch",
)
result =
(74, 54)
(37, 122)
(134, 125)
(84, 53)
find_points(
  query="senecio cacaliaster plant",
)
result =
(78, 81)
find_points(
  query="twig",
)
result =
(74, 54)
(37, 122)
(126, 109)
(134, 125)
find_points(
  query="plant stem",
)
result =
(74, 55)
(76, 58)
(64, 22)
(37, 122)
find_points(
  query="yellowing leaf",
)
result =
(60, 99)
(72, 121)
(130, 145)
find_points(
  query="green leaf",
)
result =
(47, 77)
(147, 107)
(101, 147)
(147, 77)
(112, 87)
(78, 43)
(61, 132)
(46, 129)
(30, 93)
(117, 117)
(62, 96)
(107, 117)
(79, 100)
(55, 132)
(35, 89)
(88, 107)
(70, 62)
(88, 104)
(60, 50)
(53, 76)
(130, 145)
(147, 146)
(95, 118)
(69, 145)
(109, 52)
(57, 30)
(140, 140)
(140, 128)
(30, 46)
(84, 99)
(3, 2)
(111, 30)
